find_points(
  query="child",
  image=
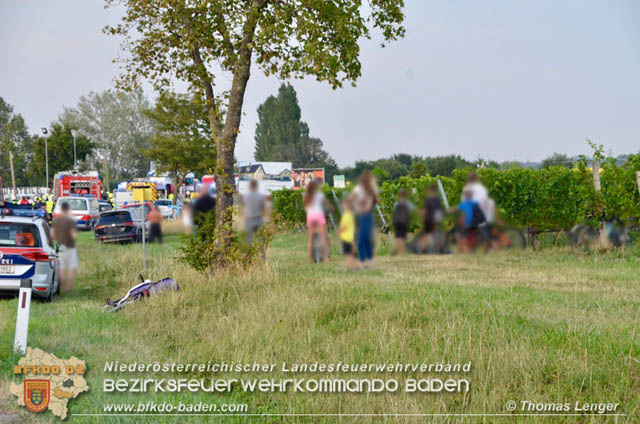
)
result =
(401, 219)
(314, 203)
(347, 232)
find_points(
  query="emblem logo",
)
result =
(36, 395)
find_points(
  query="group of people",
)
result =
(356, 224)
(254, 205)
(39, 202)
(476, 214)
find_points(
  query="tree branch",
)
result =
(224, 32)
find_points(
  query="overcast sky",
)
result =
(493, 79)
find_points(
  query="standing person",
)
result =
(155, 225)
(254, 209)
(187, 218)
(401, 220)
(63, 230)
(314, 203)
(24, 201)
(480, 195)
(38, 203)
(472, 221)
(364, 200)
(203, 204)
(432, 216)
(50, 205)
(479, 192)
(347, 232)
(433, 210)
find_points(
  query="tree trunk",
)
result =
(533, 236)
(226, 142)
(175, 188)
(225, 147)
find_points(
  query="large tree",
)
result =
(60, 147)
(199, 41)
(15, 140)
(282, 136)
(115, 122)
(279, 127)
(183, 141)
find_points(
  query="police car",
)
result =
(27, 252)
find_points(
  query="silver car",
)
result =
(165, 207)
(84, 210)
(27, 252)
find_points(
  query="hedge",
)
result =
(554, 198)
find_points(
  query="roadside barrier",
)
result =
(22, 321)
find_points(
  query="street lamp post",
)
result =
(75, 160)
(46, 155)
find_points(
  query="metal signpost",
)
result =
(443, 194)
(144, 246)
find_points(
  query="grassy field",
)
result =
(550, 326)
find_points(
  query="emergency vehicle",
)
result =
(143, 191)
(71, 183)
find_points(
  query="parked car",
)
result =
(26, 251)
(85, 211)
(147, 207)
(165, 207)
(104, 206)
(22, 210)
(119, 226)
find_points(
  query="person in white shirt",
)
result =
(479, 193)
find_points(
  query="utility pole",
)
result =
(106, 173)
(46, 155)
(75, 159)
(144, 245)
(13, 175)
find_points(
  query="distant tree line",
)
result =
(120, 133)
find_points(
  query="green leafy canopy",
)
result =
(291, 38)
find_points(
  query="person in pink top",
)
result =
(314, 204)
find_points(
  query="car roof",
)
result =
(74, 197)
(115, 210)
(20, 219)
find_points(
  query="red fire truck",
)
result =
(71, 183)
